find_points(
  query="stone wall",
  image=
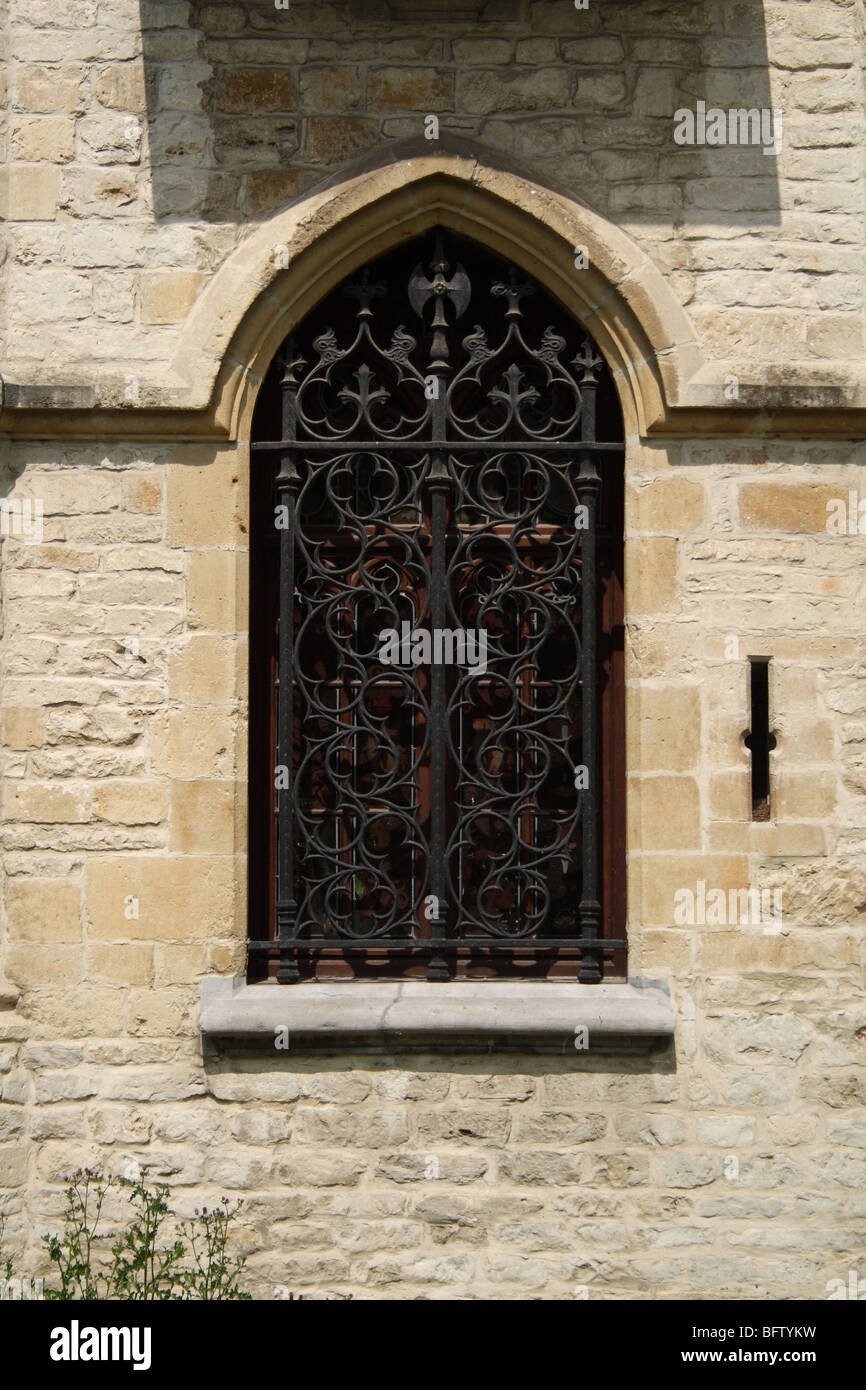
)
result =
(732, 1167)
(121, 772)
(142, 140)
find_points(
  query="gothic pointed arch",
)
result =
(288, 264)
(436, 771)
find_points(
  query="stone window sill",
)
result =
(460, 1015)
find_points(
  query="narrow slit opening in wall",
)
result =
(760, 741)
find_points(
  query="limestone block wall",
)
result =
(145, 144)
(733, 1167)
(143, 140)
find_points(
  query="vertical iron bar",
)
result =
(588, 489)
(439, 488)
(286, 491)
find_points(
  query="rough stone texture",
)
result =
(541, 1174)
(137, 160)
(166, 138)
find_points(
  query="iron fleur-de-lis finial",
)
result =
(514, 291)
(365, 291)
(512, 396)
(291, 363)
(588, 363)
(366, 395)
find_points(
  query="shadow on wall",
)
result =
(251, 106)
(236, 1072)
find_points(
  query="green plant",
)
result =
(143, 1263)
(5, 1261)
(214, 1276)
(72, 1252)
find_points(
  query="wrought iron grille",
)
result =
(437, 504)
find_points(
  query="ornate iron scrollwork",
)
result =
(430, 482)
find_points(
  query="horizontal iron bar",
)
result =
(414, 945)
(448, 446)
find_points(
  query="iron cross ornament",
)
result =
(456, 289)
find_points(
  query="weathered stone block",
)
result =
(110, 138)
(168, 295)
(203, 500)
(334, 138)
(35, 966)
(683, 1170)
(43, 802)
(663, 875)
(670, 813)
(493, 91)
(31, 192)
(258, 89)
(217, 590)
(336, 88)
(725, 1131)
(131, 803)
(670, 727)
(43, 137)
(542, 1166)
(269, 190)
(665, 504)
(799, 507)
(346, 1089)
(47, 909)
(553, 1127)
(122, 965)
(600, 89)
(483, 52)
(620, 1169)
(43, 88)
(205, 670)
(121, 86)
(333, 1126)
(203, 818)
(465, 1124)
(195, 744)
(651, 574)
(411, 89)
(149, 898)
(142, 493)
(321, 1169)
(22, 727)
(501, 1087)
(13, 1165)
(806, 794)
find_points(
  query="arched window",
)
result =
(436, 694)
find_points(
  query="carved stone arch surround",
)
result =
(250, 305)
